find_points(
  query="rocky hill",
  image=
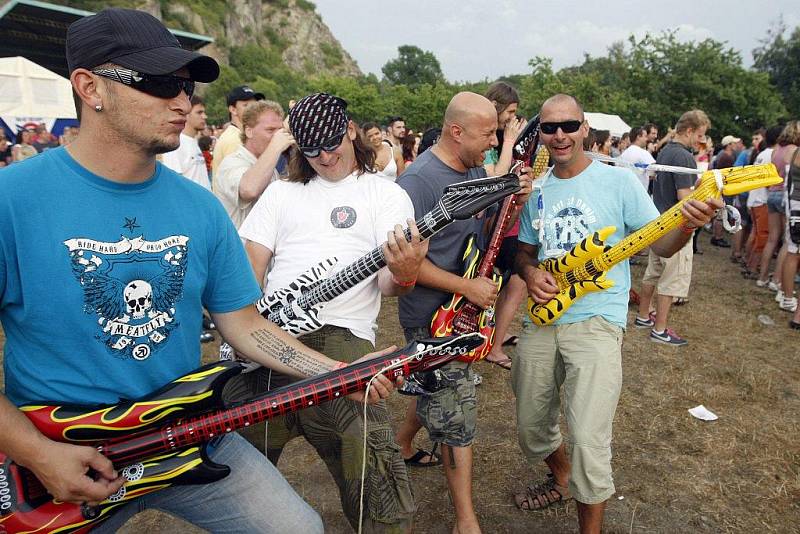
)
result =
(289, 29)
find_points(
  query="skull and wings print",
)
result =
(132, 286)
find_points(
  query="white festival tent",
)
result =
(612, 123)
(30, 95)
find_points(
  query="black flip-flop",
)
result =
(414, 461)
(510, 342)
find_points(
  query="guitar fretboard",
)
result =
(670, 219)
(369, 264)
(202, 428)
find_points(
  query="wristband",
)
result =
(687, 229)
(403, 284)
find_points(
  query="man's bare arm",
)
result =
(263, 342)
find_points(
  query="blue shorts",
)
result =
(775, 202)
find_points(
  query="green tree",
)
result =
(413, 66)
(657, 78)
(779, 57)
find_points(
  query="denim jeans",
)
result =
(254, 497)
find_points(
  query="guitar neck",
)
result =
(653, 231)
(202, 428)
(501, 227)
(369, 264)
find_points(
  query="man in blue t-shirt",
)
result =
(106, 261)
(582, 349)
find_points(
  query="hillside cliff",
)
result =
(290, 29)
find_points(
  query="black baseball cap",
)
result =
(135, 40)
(243, 92)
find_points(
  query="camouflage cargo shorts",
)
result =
(450, 415)
(335, 429)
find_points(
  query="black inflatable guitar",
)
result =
(295, 308)
(160, 440)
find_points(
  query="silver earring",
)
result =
(98, 108)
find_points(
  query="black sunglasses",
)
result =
(550, 128)
(165, 86)
(329, 145)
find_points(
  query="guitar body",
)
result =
(457, 316)
(575, 276)
(281, 308)
(198, 391)
(33, 507)
(583, 269)
(281, 305)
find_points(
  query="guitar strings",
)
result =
(389, 367)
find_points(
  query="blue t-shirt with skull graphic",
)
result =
(102, 284)
(571, 209)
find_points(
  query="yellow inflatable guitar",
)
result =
(583, 269)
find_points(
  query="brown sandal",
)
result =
(542, 496)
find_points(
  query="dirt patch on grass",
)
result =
(673, 473)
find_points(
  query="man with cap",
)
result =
(731, 146)
(333, 205)
(230, 140)
(105, 263)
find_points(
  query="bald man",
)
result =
(582, 349)
(470, 124)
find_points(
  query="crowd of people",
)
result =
(32, 140)
(236, 212)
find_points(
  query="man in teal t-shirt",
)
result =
(106, 261)
(582, 349)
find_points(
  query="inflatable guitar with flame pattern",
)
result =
(583, 269)
(458, 315)
(160, 440)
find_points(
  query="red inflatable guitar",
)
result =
(160, 440)
(458, 315)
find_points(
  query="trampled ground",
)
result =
(673, 473)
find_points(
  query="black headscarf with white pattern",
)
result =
(316, 118)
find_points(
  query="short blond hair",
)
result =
(693, 119)
(253, 112)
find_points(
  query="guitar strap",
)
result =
(538, 224)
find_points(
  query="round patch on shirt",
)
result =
(343, 217)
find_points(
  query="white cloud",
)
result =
(474, 39)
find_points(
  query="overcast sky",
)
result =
(475, 39)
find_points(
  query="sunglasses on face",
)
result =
(550, 128)
(329, 145)
(166, 86)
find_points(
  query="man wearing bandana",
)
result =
(332, 205)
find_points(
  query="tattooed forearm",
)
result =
(276, 348)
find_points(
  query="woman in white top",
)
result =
(389, 160)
